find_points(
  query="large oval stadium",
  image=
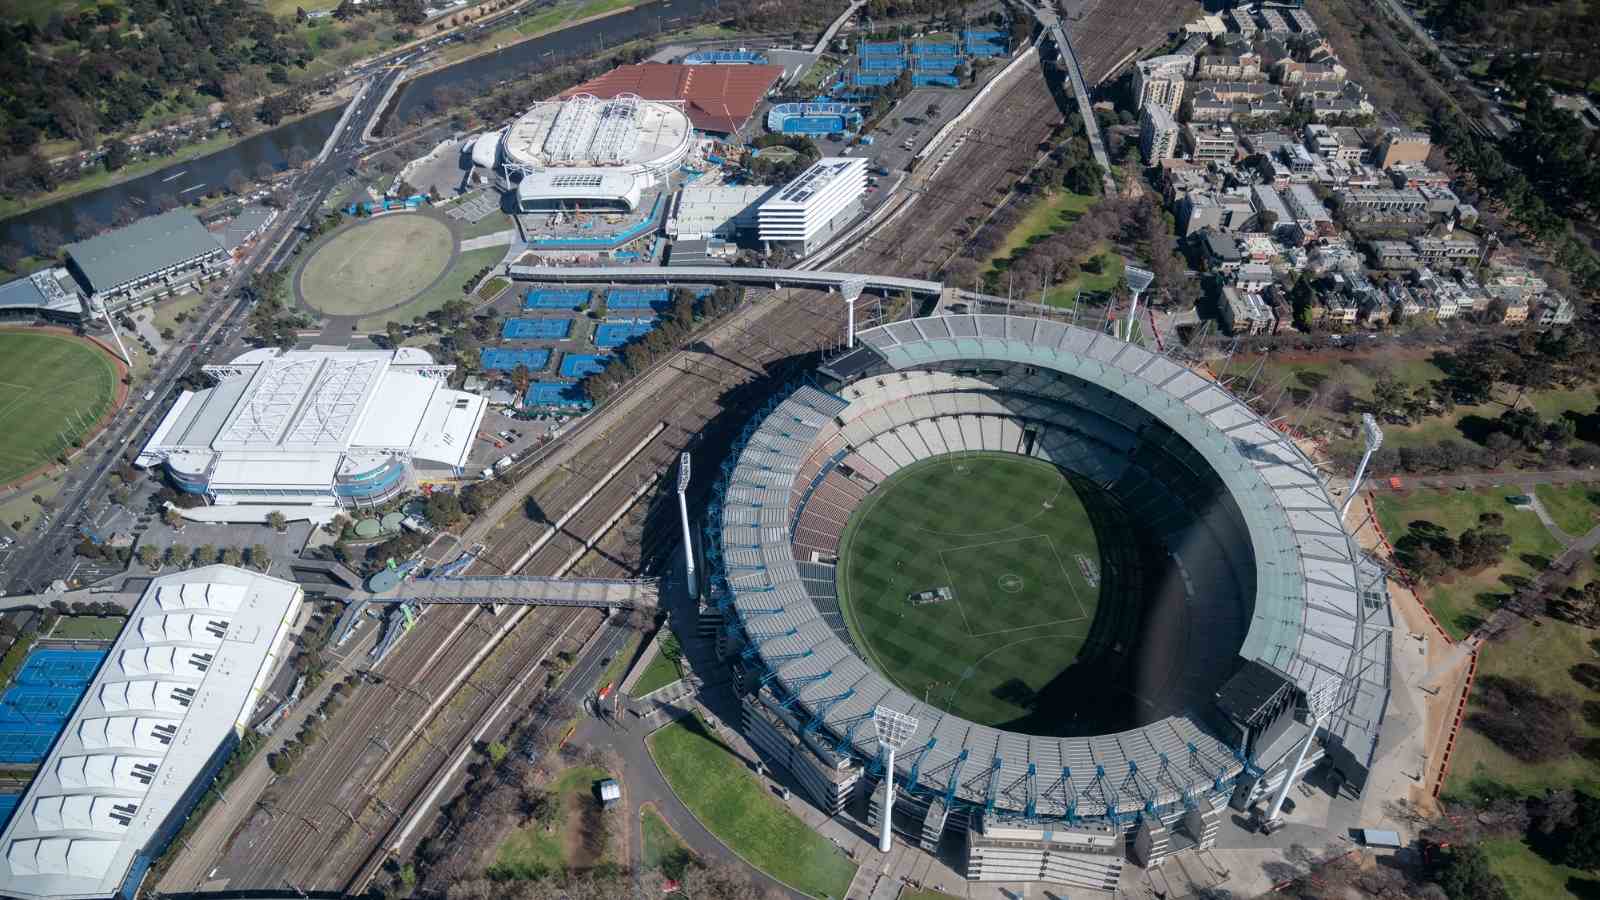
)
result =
(1099, 583)
(582, 149)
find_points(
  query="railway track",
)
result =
(312, 830)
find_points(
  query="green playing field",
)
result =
(1009, 539)
(53, 388)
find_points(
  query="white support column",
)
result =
(885, 838)
(683, 518)
(1374, 439)
(850, 323)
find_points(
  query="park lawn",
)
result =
(372, 264)
(53, 388)
(661, 845)
(490, 224)
(1574, 507)
(1528, 876)
(531, 852)
(448, 288)
(166, 312)
(907, 893)
(1463, 600)
(658, 674)
(733, 805)
(1054, 214)
(1111, 268)
(20, 508)
(1542, 651)
(88, 628)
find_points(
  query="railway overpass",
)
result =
(525, 590)
(799, 278)
(1051, 23)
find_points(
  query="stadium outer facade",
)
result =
(1270, 574)
(316, 430)
(584, 152)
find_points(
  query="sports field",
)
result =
(52, 388)
(1011, 540)
(377, 264)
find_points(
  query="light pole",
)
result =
(893, 730)
(851, 289)
(1374, 439)
(683, 518)
(1321, 700)
(1138, 280)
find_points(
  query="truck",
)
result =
(502, 464)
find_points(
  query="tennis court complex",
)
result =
(493, 359)
(557, 393)
(577, 365)
(554, 298)
(613, 333)
(41, 699)
(536, 329)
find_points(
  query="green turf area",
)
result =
(376, 264)
(167, 311)
(466, 266)
(53, 388)
(1009, 536)
(1544, 654)
(533, 852)
(658, 674)
(1111, 268)
(490, 224)
(733, 805)
(1529, 876)
(909, 894)
(1054, 214)
(661, 849)
(88, 628)
(1307, 378)
(1460, 601)
(1574, 507)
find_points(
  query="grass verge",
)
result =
(533, 852)
(88, 628)
(1462, 600)
(449, 288)
(658, 674)
(662, 849)
(1574, 507)
(735, 807)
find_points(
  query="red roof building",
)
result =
(718, 99)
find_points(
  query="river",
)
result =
(273, 147)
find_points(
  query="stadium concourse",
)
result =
(1248, 599)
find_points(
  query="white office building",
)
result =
(309, 432)
(811, 209)
(161, 716)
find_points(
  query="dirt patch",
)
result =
(586, 834)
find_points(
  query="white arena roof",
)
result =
(279, 418)
(586, 132)
(120, 779)
(579, 185)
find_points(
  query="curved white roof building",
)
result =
(161, 716)
(587, 151)
(316, 429)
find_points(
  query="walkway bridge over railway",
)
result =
(525, 590)
(1048, 20)
(800, 278)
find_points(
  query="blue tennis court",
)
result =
(41, 699)
(613, 333)
(554, 298)
(557, 393)
(502, 360)
(656, 299)
(577, 365)
(536, 329)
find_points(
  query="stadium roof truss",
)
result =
(1313, 588)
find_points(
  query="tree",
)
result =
(1389, 397)
(259, 559)
(1464, 873)
(117, 154)
(232, 556)
(149, 557)
(520, 379)
(178, 556)
(277, 521)
(443, 509)
(172, 518)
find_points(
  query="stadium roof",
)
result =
(148, 245)
(182, 678)
(50, 290)
(719, 99)
(1308, 603)
(303, 408)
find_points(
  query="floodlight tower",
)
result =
(1321, 701)
(1374, 439)
(851, 290)
(683, 517)
(893, 729)
(1138, 281)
